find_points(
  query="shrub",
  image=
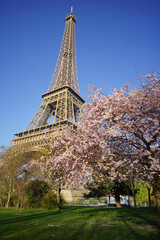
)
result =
(35, 192)
(49, 200)
(3, 199)
(13, 201)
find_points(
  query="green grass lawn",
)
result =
(85, 223)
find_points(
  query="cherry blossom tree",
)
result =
(118, 136)
(130, 124)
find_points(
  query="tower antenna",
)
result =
(71, 9)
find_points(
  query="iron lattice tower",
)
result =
(62, 102)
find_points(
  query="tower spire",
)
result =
(65, 73)
(71, 9)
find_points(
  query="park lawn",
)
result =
(80, 223)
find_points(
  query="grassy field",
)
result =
(83, 223)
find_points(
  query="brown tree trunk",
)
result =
(58, 196)
(9, 193)
(156, 191)
(158, 206)
(18, 203)
(149, 195)
(133, 193)
(129, 200)
(21, 204)
(109, 199)
(118, 202)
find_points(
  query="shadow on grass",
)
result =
(140, 223)
(77, 223)
(31, 216)
(126, 213)
(140, 216)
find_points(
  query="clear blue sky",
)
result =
(111, 36)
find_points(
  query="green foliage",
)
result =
(102, 189)
(116, 188)
(3, 199)
(35, 191)
(142, 193)
(13, 200)
(49, 200)
(120, 188)
(97, 192)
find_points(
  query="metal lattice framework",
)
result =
(66, 69)
(62, 102)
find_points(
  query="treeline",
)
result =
(21, 186)
(37, 194)
(139, 195)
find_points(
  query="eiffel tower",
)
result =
(62, 102)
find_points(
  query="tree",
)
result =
(114, 188)
(14, 162)
(11, 169)
(143, 195)
(118, 136)
(129, 123)
(101, 190)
